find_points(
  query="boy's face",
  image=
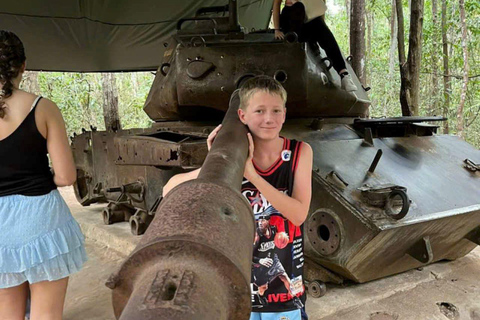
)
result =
(264, 115)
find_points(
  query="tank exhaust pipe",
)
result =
(233, 15)
(194, 261)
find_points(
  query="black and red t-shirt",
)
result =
(277, 268)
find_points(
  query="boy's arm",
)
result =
(294, 208)
(179, 178)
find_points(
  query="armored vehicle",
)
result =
(389, 194)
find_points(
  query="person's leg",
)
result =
(262, 289)
(317, 30)
(13, 301)
(295, 18)
(255, 316)
(48, 298)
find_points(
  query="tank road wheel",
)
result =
(137, 226)
(107, 215)
(316, 289)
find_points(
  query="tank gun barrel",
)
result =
(222, 155)
(194, 260)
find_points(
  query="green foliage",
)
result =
(386, 87)
(80, 98)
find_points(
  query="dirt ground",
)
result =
(444, 290)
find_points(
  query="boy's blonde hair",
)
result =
(260, 83)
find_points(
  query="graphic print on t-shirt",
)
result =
(277, 267)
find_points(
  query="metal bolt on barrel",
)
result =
(194, 261)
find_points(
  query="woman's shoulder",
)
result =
(47, 107)
(31, 97)
(48, 112)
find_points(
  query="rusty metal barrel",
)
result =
(194, 261)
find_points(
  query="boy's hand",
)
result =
(266, 262)
(212, 136)
(250, 171)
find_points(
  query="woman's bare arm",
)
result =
(58, 147)
(276, 19)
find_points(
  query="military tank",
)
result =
(388, 194)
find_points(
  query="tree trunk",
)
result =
(357, 38)
(110, 102)
(415, 53)
(370, 23)
(134, 79)
(347, 10)
(391, 54)
(463, 95)
(404, 78)
(410, 68)
(446, 79)
(30, 82)
(434, 56)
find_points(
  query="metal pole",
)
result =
(233, 15)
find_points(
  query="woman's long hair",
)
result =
(12, 57)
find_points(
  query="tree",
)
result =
(370, 26)
(434, 56)
(30, 82)
(446, 78)
(410, 67)
(357, 38)
(393, 41)
(463, 95)
(110, 102)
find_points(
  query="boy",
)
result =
(277, 184)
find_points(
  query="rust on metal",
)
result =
(194, 260)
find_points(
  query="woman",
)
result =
(293, 19)
(40, 242)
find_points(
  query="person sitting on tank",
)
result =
(277, 183)
(313, 29)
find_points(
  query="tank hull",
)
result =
(363, 243)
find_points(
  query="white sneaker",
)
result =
(347, 84)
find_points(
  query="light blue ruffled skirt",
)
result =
(39, 240)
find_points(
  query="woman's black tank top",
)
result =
(24, 165)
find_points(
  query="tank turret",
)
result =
(205, 63)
